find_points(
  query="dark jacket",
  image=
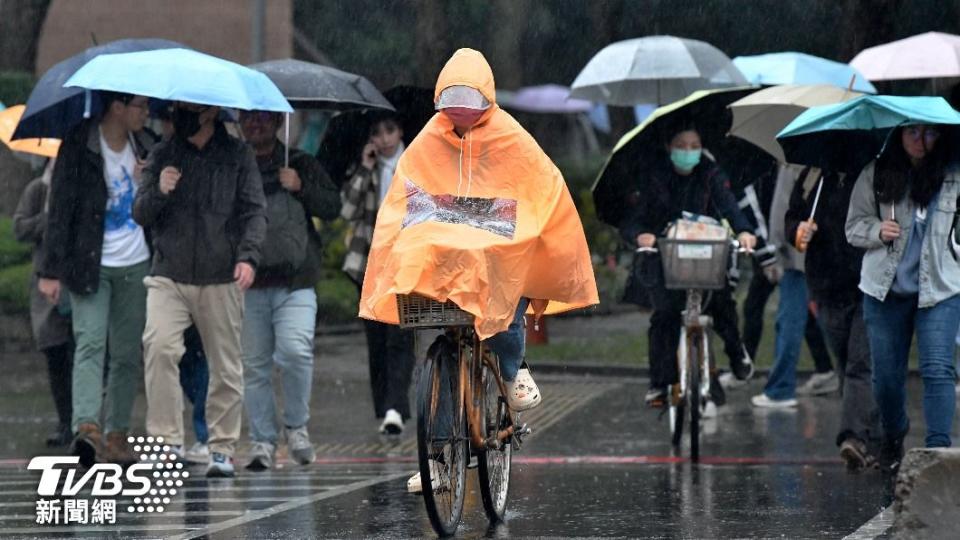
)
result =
(664, 195)
(78, 201)
(320, 198)
(832, 265)
(214, 218)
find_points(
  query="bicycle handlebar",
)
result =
(734, 243)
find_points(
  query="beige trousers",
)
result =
(217, 310)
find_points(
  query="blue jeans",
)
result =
(890, 326)
(510, 344)
(194, 379)
(791, 325)
(278, 328)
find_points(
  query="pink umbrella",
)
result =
(548, 98)
(924, 56)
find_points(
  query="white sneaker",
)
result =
(415, 485)
(763, 401)
(709, 410)
(300, 447)
(261, 456)
(523, 393)
(729, 381)
(820, 384)
(198, 454)
(392, 423)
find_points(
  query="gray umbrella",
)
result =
(312, 86)
(654, 69)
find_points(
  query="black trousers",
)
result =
(754, 306)
(60, 370)
(665, 324)
(390, 352)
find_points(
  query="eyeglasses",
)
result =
(929, 134)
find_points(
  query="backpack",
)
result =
(285, 246)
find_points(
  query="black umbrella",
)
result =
(348, 132)
(52, 109)
(312, 86)
(617, 184)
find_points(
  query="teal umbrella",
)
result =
(846, 136)
(800, 68)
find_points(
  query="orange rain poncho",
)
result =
(481, 220)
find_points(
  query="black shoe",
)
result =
(656, 397)
(891, 455)
(742, 367)
(717, 394)
(60, 437)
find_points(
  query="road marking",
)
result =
(875, 527)
(290, 505)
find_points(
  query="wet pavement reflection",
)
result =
(598, 464)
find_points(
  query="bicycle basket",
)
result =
(421, 312)
(694, 264)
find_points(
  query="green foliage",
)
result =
(15, 288)
(337, 298)
(15, 87)
(12, 252)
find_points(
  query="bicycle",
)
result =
(462, 411)
(694, 266)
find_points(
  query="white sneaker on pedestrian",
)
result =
(221, 466)
(523, 393)
(392, 423)
(198, 454)
(415, 484)
(299, 445)
(763, 401)
(729, 381)
(820, 384)
(261, 456)
(709, 410)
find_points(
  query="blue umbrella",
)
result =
(182, 75)
(846, 136)
(800, 68)
(52, 109)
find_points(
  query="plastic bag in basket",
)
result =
(696, 227)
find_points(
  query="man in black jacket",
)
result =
(202, 199)
(281, 306)
(95, 250)
(832, 269)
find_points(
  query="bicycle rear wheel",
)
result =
(694, 352)
(493, 464)
(442, 446)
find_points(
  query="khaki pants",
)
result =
(217, 311)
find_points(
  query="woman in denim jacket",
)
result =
(902, 212)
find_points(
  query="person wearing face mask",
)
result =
(202, 199)
(903, 212)
(94, 252)
(682, 180)
(478, 215)
(390, 349)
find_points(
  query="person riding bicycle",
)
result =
(477, 214)
(685, 183)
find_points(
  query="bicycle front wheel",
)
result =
(695, 356)
(442, 446)
(493, 464)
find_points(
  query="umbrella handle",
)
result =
(286, 141)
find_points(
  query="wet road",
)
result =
(598, 464)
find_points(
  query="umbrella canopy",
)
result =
(655, 69)
(758, 117)
(182, 75)
(800, 68)
(547, 98)
(348, 132)
(312, 86)
(846, 136)
(924, 56)
(640, 146)
(53, 109)
(9, 118)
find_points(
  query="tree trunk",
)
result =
(431, 47)
(20, 24)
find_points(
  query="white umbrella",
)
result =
(924, 56)
(758, 117)
(654, 69)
